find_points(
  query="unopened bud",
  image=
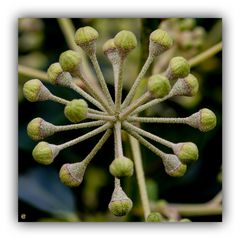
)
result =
(178, 68)
(187, 86)
(86, 38)
(173, 165)
(160, 41)
(125, 41)
(70, 61)
(38, 129)
(71, 174)
(76, 110)
(121, 167)
(205, 120)
(187, 152)
(159, 86)
(110, 50)
(34, 91)
(120, 204)
(45, 153)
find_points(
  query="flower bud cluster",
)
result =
(113, 117)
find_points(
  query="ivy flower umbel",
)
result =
(111, 116)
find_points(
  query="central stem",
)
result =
(118, 140)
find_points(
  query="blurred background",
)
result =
(42, 197)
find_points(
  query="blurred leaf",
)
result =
(41, 188)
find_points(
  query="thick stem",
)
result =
(205, 55)
(118, 140)
(101, 79)
(133, 89)
(119, 83)
(145, 97)
(115, 67)
(98, 146)
(84, 137)
(150, 135)
(136, 152)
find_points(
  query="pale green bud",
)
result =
(57, 76)
(86, 38)
(34, 91)
(160, 41)
(187, 86)
(125, 41)
(72, 174)
(155, 217)
(187, 152)
(54, 72)
(45, 153)
(70, 61)
(159, 86)
(120, 204)
(110, 50)
(178, 68)
(109, 46)
(121, 167)
(38, 129)
(76, 110)
(205, 120)
(173, 165)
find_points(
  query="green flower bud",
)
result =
(70, 61)
(187, 24)
(34, 91)
(72, 174)
(125, 41)
(120, 205)
(121, 167)
(57, 76)
(173, 165)
(160, 41)
(178, 68)
(109, 46)
(154, 217)
(86, 37)
(53, 72)
(159, 86)
(186, 152)
(39, 129)
(205, 120)
(110, 50)
(45, 153)
(187, 86)
(76, 110)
